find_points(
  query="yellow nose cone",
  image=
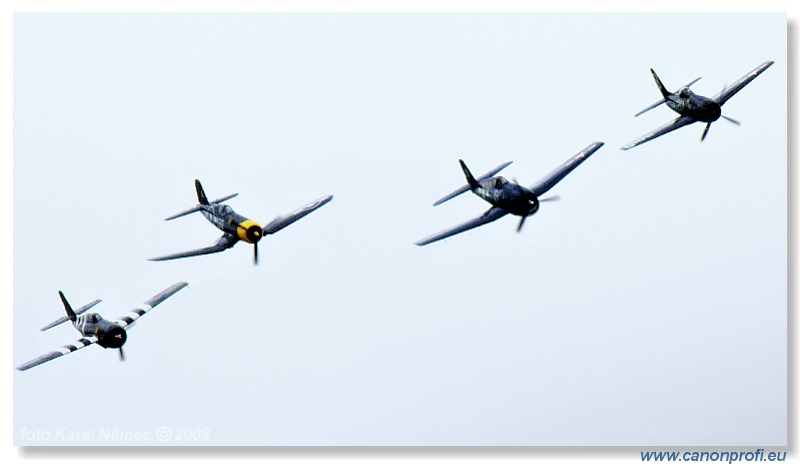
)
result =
(245, 226)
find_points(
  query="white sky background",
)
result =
(647, 306)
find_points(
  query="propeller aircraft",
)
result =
(234, 226)
(507, 197)
(96, 329)
(694, 107)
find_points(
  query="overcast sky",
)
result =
(646, 307)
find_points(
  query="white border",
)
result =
(14, 456)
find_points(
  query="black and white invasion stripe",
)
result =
(148, 306)
(82, 343)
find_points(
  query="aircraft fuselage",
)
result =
(693, 105)
(109, 334)
(509, 196)
(227, 220)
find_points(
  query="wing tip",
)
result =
(590, 150)
(163, 259)
(175, 288)
(429, 240)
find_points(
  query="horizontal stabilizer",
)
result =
(466, 187)
(198, 207)
(183, 213)
(651, 106)
(689, 84)
(220, 200)
(66, 319)
(662, 101)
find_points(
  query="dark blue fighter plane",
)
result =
(508, 197)
(235, 226)
(694, 107)
(96, 329)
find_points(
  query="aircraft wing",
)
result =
(282, 221)
(729, 91)
(225, 242)
(561, 171)
(493, 214)
(674, 125)
(82, 343)
(134, 314)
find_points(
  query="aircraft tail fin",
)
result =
(664, 93)
(473, 184)
(65, 319)
(467, 187)
(67, 307)
(202, 200)
(201, 194)
(660, 85)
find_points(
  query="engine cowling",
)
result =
(113, 337)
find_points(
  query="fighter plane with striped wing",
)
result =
(96, 329)
(508, 197)
(234, 226)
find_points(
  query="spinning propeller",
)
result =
(708, 125)
(255, 253)
(546, 199)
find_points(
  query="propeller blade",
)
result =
(521, 222)
(705, 130)
(121, 354)
(731, 120)
(255, 253)
(548, 199)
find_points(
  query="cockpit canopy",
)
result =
(684, 93)
(499, 181)
(92, 317)
(227, 209)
